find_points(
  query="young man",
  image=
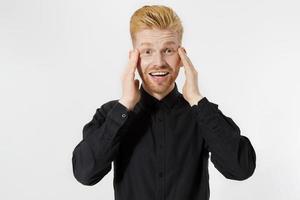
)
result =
(158, 138)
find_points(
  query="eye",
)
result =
(168, 50)
(147, 51)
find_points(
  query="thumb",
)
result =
(180, 64)
(137, 82)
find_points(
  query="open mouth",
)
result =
(158, 74)
(159, 77)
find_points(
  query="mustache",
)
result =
(160, 68)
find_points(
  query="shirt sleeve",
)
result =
(231, 153)
(93, 156)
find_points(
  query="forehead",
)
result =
(151, 37)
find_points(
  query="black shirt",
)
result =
(160, 149)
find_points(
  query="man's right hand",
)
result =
(130, 85)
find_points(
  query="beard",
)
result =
(159, 87)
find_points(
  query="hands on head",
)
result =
(190, 90)
(130, 85)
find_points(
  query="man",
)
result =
(158, 138)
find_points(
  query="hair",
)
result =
(155, 16)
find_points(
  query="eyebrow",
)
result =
(150, 44)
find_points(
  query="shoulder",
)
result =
(107, 106)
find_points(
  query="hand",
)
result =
(130, 85)
(190, 90)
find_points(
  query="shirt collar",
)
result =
(150, 102)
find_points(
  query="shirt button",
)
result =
(160, 174)
(123, 115)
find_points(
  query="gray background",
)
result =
(60, 60)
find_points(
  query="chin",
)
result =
(156, 88)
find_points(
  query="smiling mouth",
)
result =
(159, 77)
(158, 74)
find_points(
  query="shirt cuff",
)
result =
(203, 108)
(119, 113)
(119, 117)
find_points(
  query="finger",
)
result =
(127, 70)
(184, 58)
(132, 64)
(187, 64)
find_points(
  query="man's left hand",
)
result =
(190, 90)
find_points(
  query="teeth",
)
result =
(158, 73)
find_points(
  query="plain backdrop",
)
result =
(60, 60)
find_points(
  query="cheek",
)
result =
(145, 61)
(173, 61)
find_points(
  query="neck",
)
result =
(159, 96)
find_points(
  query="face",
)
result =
(158, 52)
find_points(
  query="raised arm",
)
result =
(231, 153)
(93, 156)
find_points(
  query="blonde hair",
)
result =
(155, 16)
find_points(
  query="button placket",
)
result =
(160, 174)
(161, 154)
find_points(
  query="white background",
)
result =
(60, 60)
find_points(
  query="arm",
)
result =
(231, 153)
(92, 157)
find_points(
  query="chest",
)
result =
(170, 137)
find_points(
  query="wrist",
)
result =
(195, 100)
(126, 103)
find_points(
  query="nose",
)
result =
(158, 59)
